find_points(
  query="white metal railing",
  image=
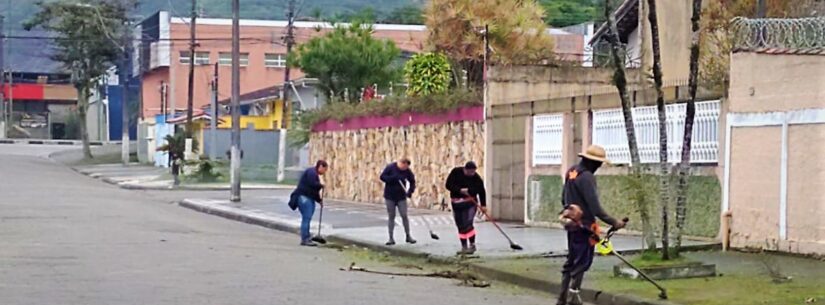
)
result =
(547, 139)
(609, 132)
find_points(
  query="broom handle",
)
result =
(323, 194)
(491, 220)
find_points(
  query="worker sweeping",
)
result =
(465, 185)
(581, 208)
(306, 195)
(395, 177)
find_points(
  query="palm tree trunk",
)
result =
(664, 179)
(690, 113)
(82, 106)
(620, 80)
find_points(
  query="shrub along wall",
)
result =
(358, 155)
(704, 201)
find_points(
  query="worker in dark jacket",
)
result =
(581, 208)
(399, 184)
(175, 162)
(466, 193)
(309, 192)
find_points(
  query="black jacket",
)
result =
(310, 185)
(457, 180)
(580, 189)
(392, 188)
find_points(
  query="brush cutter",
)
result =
(318, 238)
(406, 185)
(605, 247)
(513, 245)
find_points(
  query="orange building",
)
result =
(165, 56)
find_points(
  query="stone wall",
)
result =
(357, 157)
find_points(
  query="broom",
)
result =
(406, 190)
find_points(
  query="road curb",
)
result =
(56, 142)
(241, 217)
(589, 295)
(134, 186)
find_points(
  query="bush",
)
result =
(427, 73)
(206, 171)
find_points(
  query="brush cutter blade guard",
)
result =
(604, 247)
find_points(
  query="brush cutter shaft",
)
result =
(610, 232)
(620, 257)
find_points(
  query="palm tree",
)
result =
(620, 80)
(664, 179)
(690, 113)
(517, 32)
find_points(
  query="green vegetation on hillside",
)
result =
(560, 12)
(388, 10)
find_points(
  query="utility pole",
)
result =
(190, 96)
(235, 163)
(761, 9)
(164, 103)
(2, 78)
(124, 83)
(290, 41)
(10, 119)
(214, 121)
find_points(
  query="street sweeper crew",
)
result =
(308, 193)
(581, 208)
(466, 193)
(399, 184)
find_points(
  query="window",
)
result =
(225, 59)
(201, 58)
(275, 61)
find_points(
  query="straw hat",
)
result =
(595, 153)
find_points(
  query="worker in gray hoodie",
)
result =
(396, 176)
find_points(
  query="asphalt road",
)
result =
(69, 239)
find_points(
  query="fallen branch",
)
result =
(465, 278)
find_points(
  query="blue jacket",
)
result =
(392, 188)
(310, 185)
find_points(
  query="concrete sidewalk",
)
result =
(145, 177)
(364, 225)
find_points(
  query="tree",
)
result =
(517, 33)
(714, 58)
(690, 113)
(84, 44)
(176, 144)
(620, 80)
(664, 179)
(347, 59)
(427, 73)
(564, 13)
(408, 14)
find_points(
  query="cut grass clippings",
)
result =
(743, 278)
(650, 259)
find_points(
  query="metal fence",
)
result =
(609, 132)
(547, 139)
(800, 33)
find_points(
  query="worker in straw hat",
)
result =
(581, 208)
